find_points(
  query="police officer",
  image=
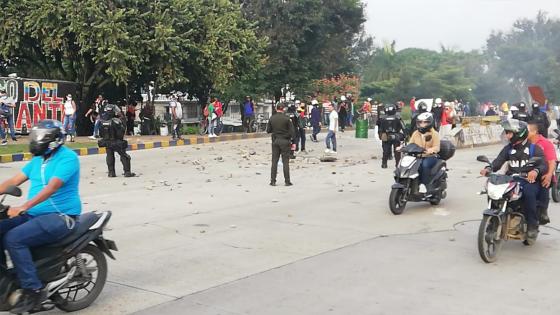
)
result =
(112, 138)
(437, 111)
(541, 119)
(283, 135)
(521, 113)
(421, 108)
(391, 132)
(292, 114)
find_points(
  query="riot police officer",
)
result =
(521, 113)
(421, 108)
(391, 132)
(541, 119)
(112, 138)
(292, 114)
(437, 112)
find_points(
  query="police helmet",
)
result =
(536, 106)
(425, 122)
(518, 128)
(422, 107)
(522, 106)
(46, 137)
(390, 109)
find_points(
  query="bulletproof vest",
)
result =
(112, 129)
(519, 156)
(523, 116)
(390, 124)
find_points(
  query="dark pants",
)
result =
(10, 121)
(342, 122)
(316, 130)
(389, 146)
(130, 126)
(21, 233)
(301, 139)
(118, 146)
(280, 147)
(543, 199)
(177, 128)
(248, 120)
(530, 195)
(427, 164)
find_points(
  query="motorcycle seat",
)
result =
(83, 223)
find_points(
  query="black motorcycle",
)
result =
(407, 180)
(503, 219)
(74, 270)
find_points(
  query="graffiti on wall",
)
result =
(37, 99)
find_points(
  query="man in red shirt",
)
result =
(550, 157)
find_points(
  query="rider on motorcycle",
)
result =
(50, 211)
(426, 137)
(517, 153)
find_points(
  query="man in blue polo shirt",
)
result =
(48, 214)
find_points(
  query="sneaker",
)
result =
(422, 189)
(333, 152)
(28, 300)
(272, 184)
(92, 137)
(67, 138)
(327, 150)
(4, 142)
(14, 139)
(129, 174)
(289, 184)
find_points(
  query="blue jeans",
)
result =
(10, 120)
(530, 194)
(331, 138)
(211, 126)
(21, 233)
(427, 165)
(96, 127)
(68, 124)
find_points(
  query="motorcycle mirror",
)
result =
(482, 158)
(13, 191)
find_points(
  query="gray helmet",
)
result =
(45, 137)
(518, 128)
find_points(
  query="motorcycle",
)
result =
(503, 219)
(407, 180)
(74, 270)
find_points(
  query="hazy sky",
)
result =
(460, 24)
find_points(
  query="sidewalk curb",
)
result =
(18, 157)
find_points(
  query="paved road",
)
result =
(201, 232)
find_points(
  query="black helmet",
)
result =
(422, 107)
(536, 107)
(46, 137)
(110, 111)
(522, 106)
(390, 109)
(518, 128)
(425, 122)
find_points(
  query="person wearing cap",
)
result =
(7, 105)
(315, 120)
(283, 133)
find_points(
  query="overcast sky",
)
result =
(459, 24)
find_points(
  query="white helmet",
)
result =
(314, 102)
(438, 100)
(343, 98)
(297, 102)
(369, 99)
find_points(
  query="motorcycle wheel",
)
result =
(488, 246)
(82, 290)
(554, 191)
(397, 202)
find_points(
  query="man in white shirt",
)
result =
(7, 105)
(333, 127)
(176, 115)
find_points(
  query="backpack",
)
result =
(218, 109)
(205, 112)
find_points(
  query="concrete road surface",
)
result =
(201, 232)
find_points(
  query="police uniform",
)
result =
(112, 138)
(391, 132)
(541, 119)
(283, 135)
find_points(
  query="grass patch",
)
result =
(22, 148)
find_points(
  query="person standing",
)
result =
(69, 118)
(95, 109)
(292, 115)
(176, 116)
(300, 145)
(315, 120)
(211, 119)
(7, 105)
(541, 119)
(342, 113)
(391, 133)
(333, 128)
(283, 134)
(437, 112)
(326, 113)
(248, 114)
(130, 117)
(112, 138)
(413, 105)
